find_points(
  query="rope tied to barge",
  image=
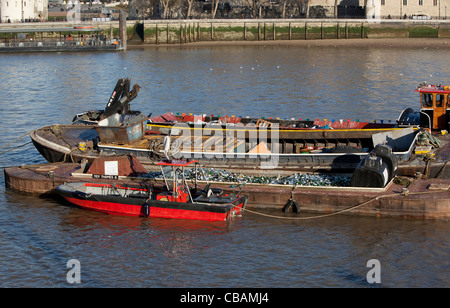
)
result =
(292, 203)
(323, 215)
(16, 147)
(18, 138)
(344, 210)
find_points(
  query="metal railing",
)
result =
(59, 44)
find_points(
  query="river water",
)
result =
(38, 236)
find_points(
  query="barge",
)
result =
(416, 197)
(256, 145)
(408, 177)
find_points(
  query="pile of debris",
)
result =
(303, 179)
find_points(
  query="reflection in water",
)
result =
(39, 235)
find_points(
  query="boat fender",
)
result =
(146, 209)
(371, 172)
(388, 157)
(293, 204)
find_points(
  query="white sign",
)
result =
(111, 167)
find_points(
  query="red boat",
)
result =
(175, 200)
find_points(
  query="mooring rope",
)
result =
(344, 210)
(15, 148)
(324, 215)
(4, 146)
(438, 176)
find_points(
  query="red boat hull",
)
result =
(155, 211)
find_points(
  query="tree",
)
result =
(283, 13)
(189, 11)
(142, 8)
(252, 5)
(167, 4)
(303, 6)
(335, 8)
(214, 6)
(288, 8)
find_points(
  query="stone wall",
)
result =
(176, 32)
(184, 31)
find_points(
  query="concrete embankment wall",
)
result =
(202, 30)
(176, 32)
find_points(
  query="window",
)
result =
(405, 2)
(435, 2)
(420, 2)
(383, 2)
(440, 99)
(427, 100)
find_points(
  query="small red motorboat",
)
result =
(175, 200)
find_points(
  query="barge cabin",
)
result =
(435, 106)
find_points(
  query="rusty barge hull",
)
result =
(422, 199)
(60, 143)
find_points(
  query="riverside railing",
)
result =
(58, 44)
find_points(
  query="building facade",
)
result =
(378, 9)
(404, 9)
(23, 10)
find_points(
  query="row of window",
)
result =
(440, 100)
(24, 4)
(405, 2)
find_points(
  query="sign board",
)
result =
(111, 167)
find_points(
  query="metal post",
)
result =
(123, 29)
